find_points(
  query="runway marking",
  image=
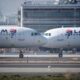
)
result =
(40, 62)
(38, 70)
(53, 55)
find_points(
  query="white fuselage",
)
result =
(20, 37)
(63, 38)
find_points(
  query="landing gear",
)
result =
(21, 54)
(60, 53)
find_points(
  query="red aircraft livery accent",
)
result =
(12, 30)
(69, 30)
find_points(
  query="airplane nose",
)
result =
(46, 43)
(42, 40)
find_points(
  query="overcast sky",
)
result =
(10, 7)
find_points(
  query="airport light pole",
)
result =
(21, 16)
(74, 16)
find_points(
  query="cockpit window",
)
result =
(47, 34)
(35, 33)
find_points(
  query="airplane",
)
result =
(20, 37)
(61, 38)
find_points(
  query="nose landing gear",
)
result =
(21, 54)
(60, 53)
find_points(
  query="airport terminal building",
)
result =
(47, 14)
